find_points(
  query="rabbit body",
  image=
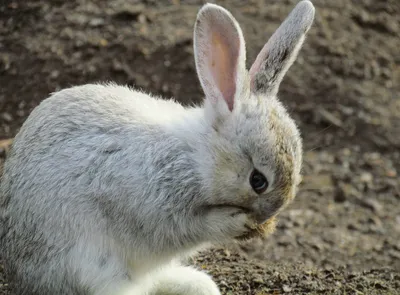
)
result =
(107, 187)
(101, 183)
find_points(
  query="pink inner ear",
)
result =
(223, 64)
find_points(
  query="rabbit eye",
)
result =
(258, 182)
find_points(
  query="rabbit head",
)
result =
(255, 146)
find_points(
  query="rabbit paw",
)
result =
(181, 280)
(227, 222)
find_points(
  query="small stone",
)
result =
(7, 117)
(167, 63)
(348, 111)
(372, 204)
(286, 289)
(258, 279)
(366, 177)
(346, 152)
(165, 88)
(142, 18)
(227, 253)
(54, 74)
(391, 173)
(223, 283)
(103, 42)
(96, 22)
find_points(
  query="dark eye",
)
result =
(258, 182)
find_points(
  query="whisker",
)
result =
(311, 189)
(317, 147)
(340, 146)
(323, 130)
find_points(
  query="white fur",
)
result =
(107, 188)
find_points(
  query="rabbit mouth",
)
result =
(261, 231)
(258, 229)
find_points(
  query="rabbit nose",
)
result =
(264, 211)
(261, 219)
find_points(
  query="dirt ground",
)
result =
(342, 233)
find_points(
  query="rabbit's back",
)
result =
(60, 177)
(75, 136)
(67, 134)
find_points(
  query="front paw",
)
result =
(181, 280)
(227, 222)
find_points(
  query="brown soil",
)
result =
(342, 233)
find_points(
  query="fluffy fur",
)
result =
(106, 187)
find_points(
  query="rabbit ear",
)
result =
(219, 51)
(281, 50)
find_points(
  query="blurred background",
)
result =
(342, 233)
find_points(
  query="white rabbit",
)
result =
(106, 188)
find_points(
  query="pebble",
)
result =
(6, 117)
(391, 173)
(366, 177)
(371, 204)
(286, 289)
(96, 22)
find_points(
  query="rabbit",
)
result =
(107, 188)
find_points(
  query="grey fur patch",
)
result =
(281, 49)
